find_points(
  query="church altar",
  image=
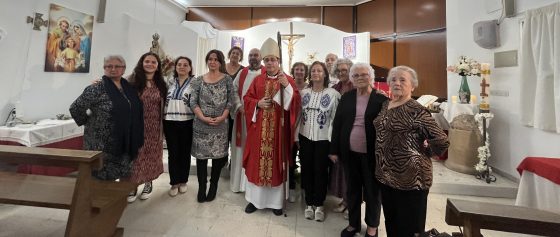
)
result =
(49, 133)
(539, 186)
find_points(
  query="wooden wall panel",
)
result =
(427, 55)
(338, 17)
(382, 55)
(377, 17)
(222, 18)
(262, 15)
(420, 15)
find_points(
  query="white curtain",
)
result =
(204, 45)
(540, 68)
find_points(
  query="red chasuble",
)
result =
(261, 156)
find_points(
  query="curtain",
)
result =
(204, 45)
(540, 68)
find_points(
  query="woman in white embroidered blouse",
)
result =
(178, 125)
(319, 104)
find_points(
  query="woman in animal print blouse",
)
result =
(407, 136)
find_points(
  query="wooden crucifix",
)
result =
(290, 40)
(483, 84)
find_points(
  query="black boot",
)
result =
(217, 165)
(201, 174)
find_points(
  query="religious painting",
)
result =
(349, 47)
(68, 40)
(237, 41)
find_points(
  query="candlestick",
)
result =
(473, 99)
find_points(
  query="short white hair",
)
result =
(393, 73)
(114, 57)
(356, 66)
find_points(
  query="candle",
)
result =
(454, 99)
(485, 68)
(473, 99)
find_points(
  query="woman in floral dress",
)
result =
(211, 101)
(149, 82)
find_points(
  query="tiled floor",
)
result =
(162, 215)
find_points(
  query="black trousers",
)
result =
(361, 183)
(202, 172)
(314, 169)
(178, 135)
(404, 211)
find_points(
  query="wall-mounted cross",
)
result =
(290, 40)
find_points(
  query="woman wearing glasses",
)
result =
(353, 144)
(319, 103)
(112, 114)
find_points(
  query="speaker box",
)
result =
(486, 34)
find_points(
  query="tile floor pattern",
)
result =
(180, 216)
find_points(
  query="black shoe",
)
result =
(277, 212)
(367, 235)
(349, 233)
(250, 208)
(201, 197)
(212, 192)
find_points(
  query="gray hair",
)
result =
(114, 57)
(356, 66)
(341, 61)
(393, 73)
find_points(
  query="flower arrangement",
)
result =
(484, 149)
(465, 67)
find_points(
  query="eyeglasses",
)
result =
(266, 60)
(113, 66)
(355, 76)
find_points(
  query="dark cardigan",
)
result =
(344, 121)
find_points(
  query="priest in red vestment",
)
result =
(263, 111)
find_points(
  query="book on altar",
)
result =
(427, 100)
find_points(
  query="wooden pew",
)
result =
(474, 216)
(95, 206)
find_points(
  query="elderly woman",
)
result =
(178, 125)
(319, 103)
(353, 144)
(407, 136)
(112, 114)
(211, 100)
(235, 56)
(329, 61)
(337, 186)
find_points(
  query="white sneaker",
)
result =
(131, 196)
(292, 196)
(345, 215)
(309, 213)
(183, 188)
(147, 191)
(173, 191)
(319, 214)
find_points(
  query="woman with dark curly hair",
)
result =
(148, 81)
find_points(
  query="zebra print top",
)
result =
(403, 161)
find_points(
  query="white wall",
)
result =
(44, 94)
(510, 141)
(319, 39)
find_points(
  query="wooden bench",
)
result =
(474, 216)
(95, 206)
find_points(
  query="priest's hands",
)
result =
(265, 103)
(283, 79)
